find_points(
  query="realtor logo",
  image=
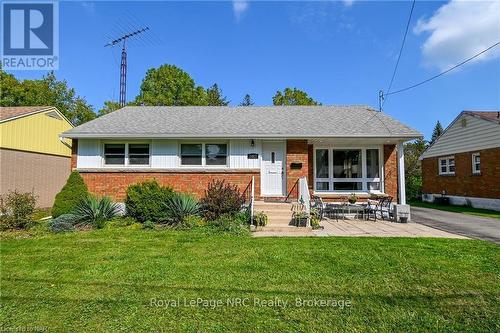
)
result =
(30, 35)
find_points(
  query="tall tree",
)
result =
(293, 97)
(214, 96)
(109, 106)
(47, 91)
(436, 132)
(413, 169)
(170, 85)
(247, 101)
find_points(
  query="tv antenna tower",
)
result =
(123, 65)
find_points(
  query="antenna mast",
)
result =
(123, 65)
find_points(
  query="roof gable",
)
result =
(267, 121)
(12, 112)
(467, 132)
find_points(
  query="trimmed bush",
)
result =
(145, 201)
(95, 211)
(193, 221)
(221, 198)
(179, 206)
(71, 194)
(227, 224)
(63, 223)
(16, 209)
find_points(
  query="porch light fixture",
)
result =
(252, 143)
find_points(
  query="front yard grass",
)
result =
(457, 209)
(105, 280)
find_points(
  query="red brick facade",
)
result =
(74, 153)
(296, 152)
(464, 182)
(114, 184)
(391, 171)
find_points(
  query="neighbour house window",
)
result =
(447, 165)
(198, 154)
(114, 154)
(476, 163)
(347, 170)
(126, 154)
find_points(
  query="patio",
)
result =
(380, 228)
(363, 228)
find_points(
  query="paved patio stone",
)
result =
(362, 228)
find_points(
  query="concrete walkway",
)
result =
(361, 228)
(485, 228)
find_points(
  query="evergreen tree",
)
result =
(215, 97)
(436, 133)
(247, 101)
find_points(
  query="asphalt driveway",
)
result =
(462, 224)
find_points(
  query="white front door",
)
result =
(272, 168)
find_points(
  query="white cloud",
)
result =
(239, 8)
(459, 30)
(348, 3)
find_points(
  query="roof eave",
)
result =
(232, 136)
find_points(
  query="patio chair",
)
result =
(372, 208)
(386, 210)
(318, 205)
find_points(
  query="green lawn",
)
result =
(104, 280)
(458, 209)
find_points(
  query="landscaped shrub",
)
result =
(148, 225)
(71, 194)
(95, 211)
(221, 198)
(16, 209)
(193, 221)
(260, 219)
(227, 224)
(63, 223)
(243, 217)
(179, 206)
(145, 201)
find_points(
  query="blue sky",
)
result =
(340, 52)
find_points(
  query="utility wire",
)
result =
(442, 73)
(401, 49)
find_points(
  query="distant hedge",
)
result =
(71, 194)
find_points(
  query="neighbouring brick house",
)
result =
(338, 150)
(464, 162)
(32, 156)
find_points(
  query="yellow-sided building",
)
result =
(32, 156)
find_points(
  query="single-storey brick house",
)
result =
(464, 162)
(337, 149)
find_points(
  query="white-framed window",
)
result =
(446, 165)
(126, 154)
(476, 163)
(204, 154)
(347, 170)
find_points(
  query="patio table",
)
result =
(356, 208)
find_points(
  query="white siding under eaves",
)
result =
(477, 134)
(164, 154)
(89, 154)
